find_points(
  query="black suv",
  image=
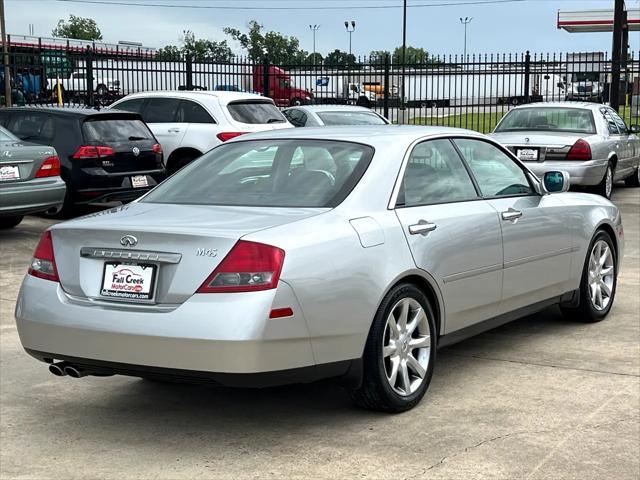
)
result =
(105, 156)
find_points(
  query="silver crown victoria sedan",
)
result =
(294, 255)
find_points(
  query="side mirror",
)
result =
(556, 181)
(634, 129)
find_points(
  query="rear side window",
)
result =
(161, 110)
(350, 118)
(611, 123)
(435, 174)
(269, 173)
(33, 126)
(133, 105)
(115, 130)
(255, 112)
(192, 112)
(296, 117)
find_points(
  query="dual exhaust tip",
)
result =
(61, 369)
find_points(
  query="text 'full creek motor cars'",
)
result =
(258, 264)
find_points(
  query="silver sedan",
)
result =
(588, 140)
(332, 115)
(289, 256)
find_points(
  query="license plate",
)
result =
(139, 181)
(527, 154)
(122, 280)
(9, 172)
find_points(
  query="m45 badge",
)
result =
(207, 252)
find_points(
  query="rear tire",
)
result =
(605, 187)
(633, 180)
(180, 161)
(10, 222)
(598, 283)
(402, 339)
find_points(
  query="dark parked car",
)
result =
(104, 156)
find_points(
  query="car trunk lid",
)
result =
(551, 146)
(184, 243)
(20, 161)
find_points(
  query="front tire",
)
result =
(633, 180)
(400, 352)
(598, 283)
(605, 187)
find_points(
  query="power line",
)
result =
(337, 7)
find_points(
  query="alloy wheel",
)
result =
(601, 275)
(406, 346)
(609, 182)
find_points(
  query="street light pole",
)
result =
(351, 27)
(466, 21)
(404, 50)
(314, 29)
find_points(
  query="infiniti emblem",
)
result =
(128, 241)
(136, 151)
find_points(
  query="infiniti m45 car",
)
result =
(294, 255)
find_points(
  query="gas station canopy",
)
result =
(576, 21)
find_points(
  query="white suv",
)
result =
(188, 124)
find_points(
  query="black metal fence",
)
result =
(472, 92)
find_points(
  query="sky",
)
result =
(512, 26)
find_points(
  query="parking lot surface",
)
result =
(539, 398)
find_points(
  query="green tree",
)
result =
(314, 59)
(377, 56)
(339, 59)
(413, 55)
(276, 47)
(199, 49)
(77, 27)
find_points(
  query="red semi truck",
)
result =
(281, 88)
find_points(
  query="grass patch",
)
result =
(480, 122)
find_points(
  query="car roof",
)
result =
(567, 104)
(333, 108)
(367, 134)
(69, 111)
(223, 96)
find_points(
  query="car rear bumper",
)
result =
(213, 333)
(580, 173)
(96, 188)
(32, 196)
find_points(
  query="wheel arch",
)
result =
(610, 230)
(613, 159)
(182, 152)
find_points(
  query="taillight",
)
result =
(248, 267)
(43, 263)
(93, 151)
(581, 150)
(49, 168)
(157, 148)
(224, 136)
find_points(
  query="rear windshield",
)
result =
(255, 112)
(115, 130)
(269, 173)
(548, 119)
(350, 118)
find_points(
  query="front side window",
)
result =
(28, 125)
(161, 110)
(269, 173)
(435, 174)
(560, 119)
(497, 174)
(134, 105)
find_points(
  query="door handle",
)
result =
(422, 228)
(174, 130)
(512, 215)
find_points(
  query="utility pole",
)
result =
(404, 51)
(616, 54)
(466, 21)
(314, 29)
(351, 27)
(5, 57)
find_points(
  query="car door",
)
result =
(453, 233)
(202, 127)
(160, 114)
(626, 157)
(536, 233)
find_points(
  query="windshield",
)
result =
(269, 173)
(585, 77)
(255, 112)
(6, 136)
(350, 118)
(548, 119)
